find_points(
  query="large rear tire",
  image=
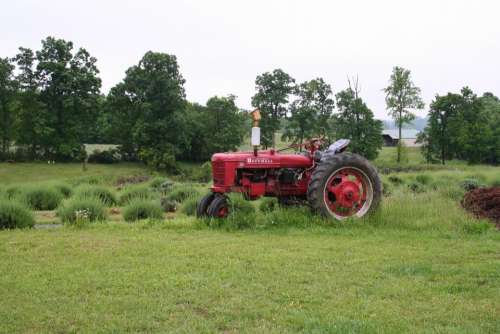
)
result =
(344, 185)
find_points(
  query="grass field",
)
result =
(420, 265)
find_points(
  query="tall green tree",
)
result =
(355, 121)
(310, 112)
(69, 87)
(443, 112)
(272, 97)
(32, 114)
(8, 89)
(402, 96)
(152, 99)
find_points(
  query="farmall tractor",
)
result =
(334, 183)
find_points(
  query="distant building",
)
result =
(408, 136)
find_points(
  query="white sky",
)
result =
(223, 45)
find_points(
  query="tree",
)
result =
(273, 90)
(310, 112)
(355, 122)
(69, 87)
(7, 95)
(32, 114)
(444, 110)
(152, 99)
(401, 97)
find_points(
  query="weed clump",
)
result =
(64, 188)
(140, 208)
(41, 197)
(15, 215)
(189, 206)
(268, 204)
(180, 193)
(396, 179)
(423, 179)
(133, 192)
(105, 195)
(470, 184)
(82, 209)
(168, 205)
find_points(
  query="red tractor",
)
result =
(335, 183)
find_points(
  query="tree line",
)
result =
(51, 103)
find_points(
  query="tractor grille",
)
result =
(218, 172)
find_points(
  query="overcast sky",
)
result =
(221, 46)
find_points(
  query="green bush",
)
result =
(181, 192)
(423, 179)
(238, 204)
(133, 192)
(140, 208)
(13, 191)
(395, 179)
(203, 173)
(82, 209)
(64, 188)
(105, 195)
(268, 204)
(416, 187)
(156, 182)
(168, 205)
(15, 215)
(189, 206)
(41, 197)
(470, 184)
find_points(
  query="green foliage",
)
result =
(268, 204)
(181, 192)
(272, 96)
(82, 209)
(15, 215)
(401, 97)
(7, 96)
(355, 121)
(470, 184)
(104, 157)
(152, 127)
(203, 173)
(238, 204)
(168, 205)
(463, 126)
(424, 179)
(310, 112)
(141, 208)
(189, 206)
(64, 188)
(104, 194)
(136, 191)
(41, 197)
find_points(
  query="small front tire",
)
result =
(219, 208)
(202, 208)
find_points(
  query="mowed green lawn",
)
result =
(421, 265)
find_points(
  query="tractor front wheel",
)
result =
(344, 185)
(219, 208)
(203, 204)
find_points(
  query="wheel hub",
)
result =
(345, 192)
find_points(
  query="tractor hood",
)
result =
(264, 159)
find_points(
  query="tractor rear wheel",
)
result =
(344, 185)
(203, 204)
(219, 208)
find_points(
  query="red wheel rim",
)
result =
(223, 212)
(348, 192)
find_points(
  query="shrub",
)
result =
(80, 209)
(238, 204)
(423, 179)
(470, 184)
(268, 204)
(168, 205)
(13, 191)
(41, 197)
(416, 187)
(156, 182)
(132, 192)
(181, 192)
(15, 215)
(63, 188)
(104, 157)
(140, 208)
(396, 179)
(105, 195)
(189, 206)
(203, 173)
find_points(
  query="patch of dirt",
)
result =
(484, 203)
(125, 180)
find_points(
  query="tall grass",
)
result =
(136, 191)
(82, 209)
(104, 194)
(140, 208)
(40, 197)
(14, 214)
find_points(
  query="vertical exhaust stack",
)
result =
(255, 138)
